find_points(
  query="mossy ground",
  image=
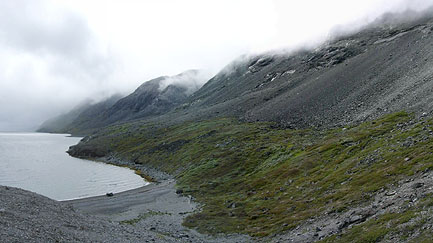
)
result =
(259, 179)
(391, 223)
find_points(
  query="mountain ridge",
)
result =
(152, 98)
(331, 144)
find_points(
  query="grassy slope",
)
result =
(258, 179)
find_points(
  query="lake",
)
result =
(38, 162)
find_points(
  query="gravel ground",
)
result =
(153, 213)
(154, 208)
(28, 217)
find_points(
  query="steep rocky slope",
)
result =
(355, 77)
(382, 69)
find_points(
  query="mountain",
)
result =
(152, 98)
(353, 78)
(331, 144)
(155, 97)
(86, 116)
(82, 113)
(58, 123)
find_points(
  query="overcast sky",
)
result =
(54, 54)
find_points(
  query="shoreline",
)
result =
(150, 174)
(124, 205)
(155, 207)
(152, 213)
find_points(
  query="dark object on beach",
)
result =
(109, 194)
(179, 191)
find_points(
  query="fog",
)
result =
(55, 54)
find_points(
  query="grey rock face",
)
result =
(354, 78)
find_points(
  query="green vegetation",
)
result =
(376, 229)
(259, 179)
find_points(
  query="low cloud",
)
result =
(54, 54)
(49, 60)
(192, 80)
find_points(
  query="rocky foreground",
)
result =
(155, 213)
(29, 217)
(149, 214)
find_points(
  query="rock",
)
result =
(179, 191)
(109, 194)
(406, 159)
(390, 193)
(355, 219)
(342, 225)
(318, 229)
(417, 185)
(351, 220)
(232, 205)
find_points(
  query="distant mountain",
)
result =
(154, 97)
(83, 112)
(58, 123)
(87, 116)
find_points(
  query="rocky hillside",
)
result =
(382, 69)
(331, 145)
(364, 183)
(154, 97)
(353, 78)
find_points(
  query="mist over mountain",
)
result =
(57, 54)
(78, 115)
(352, 78)
(355, 77)
(152, 98)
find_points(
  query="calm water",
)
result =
(38, 162)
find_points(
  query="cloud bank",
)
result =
(54, 54)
